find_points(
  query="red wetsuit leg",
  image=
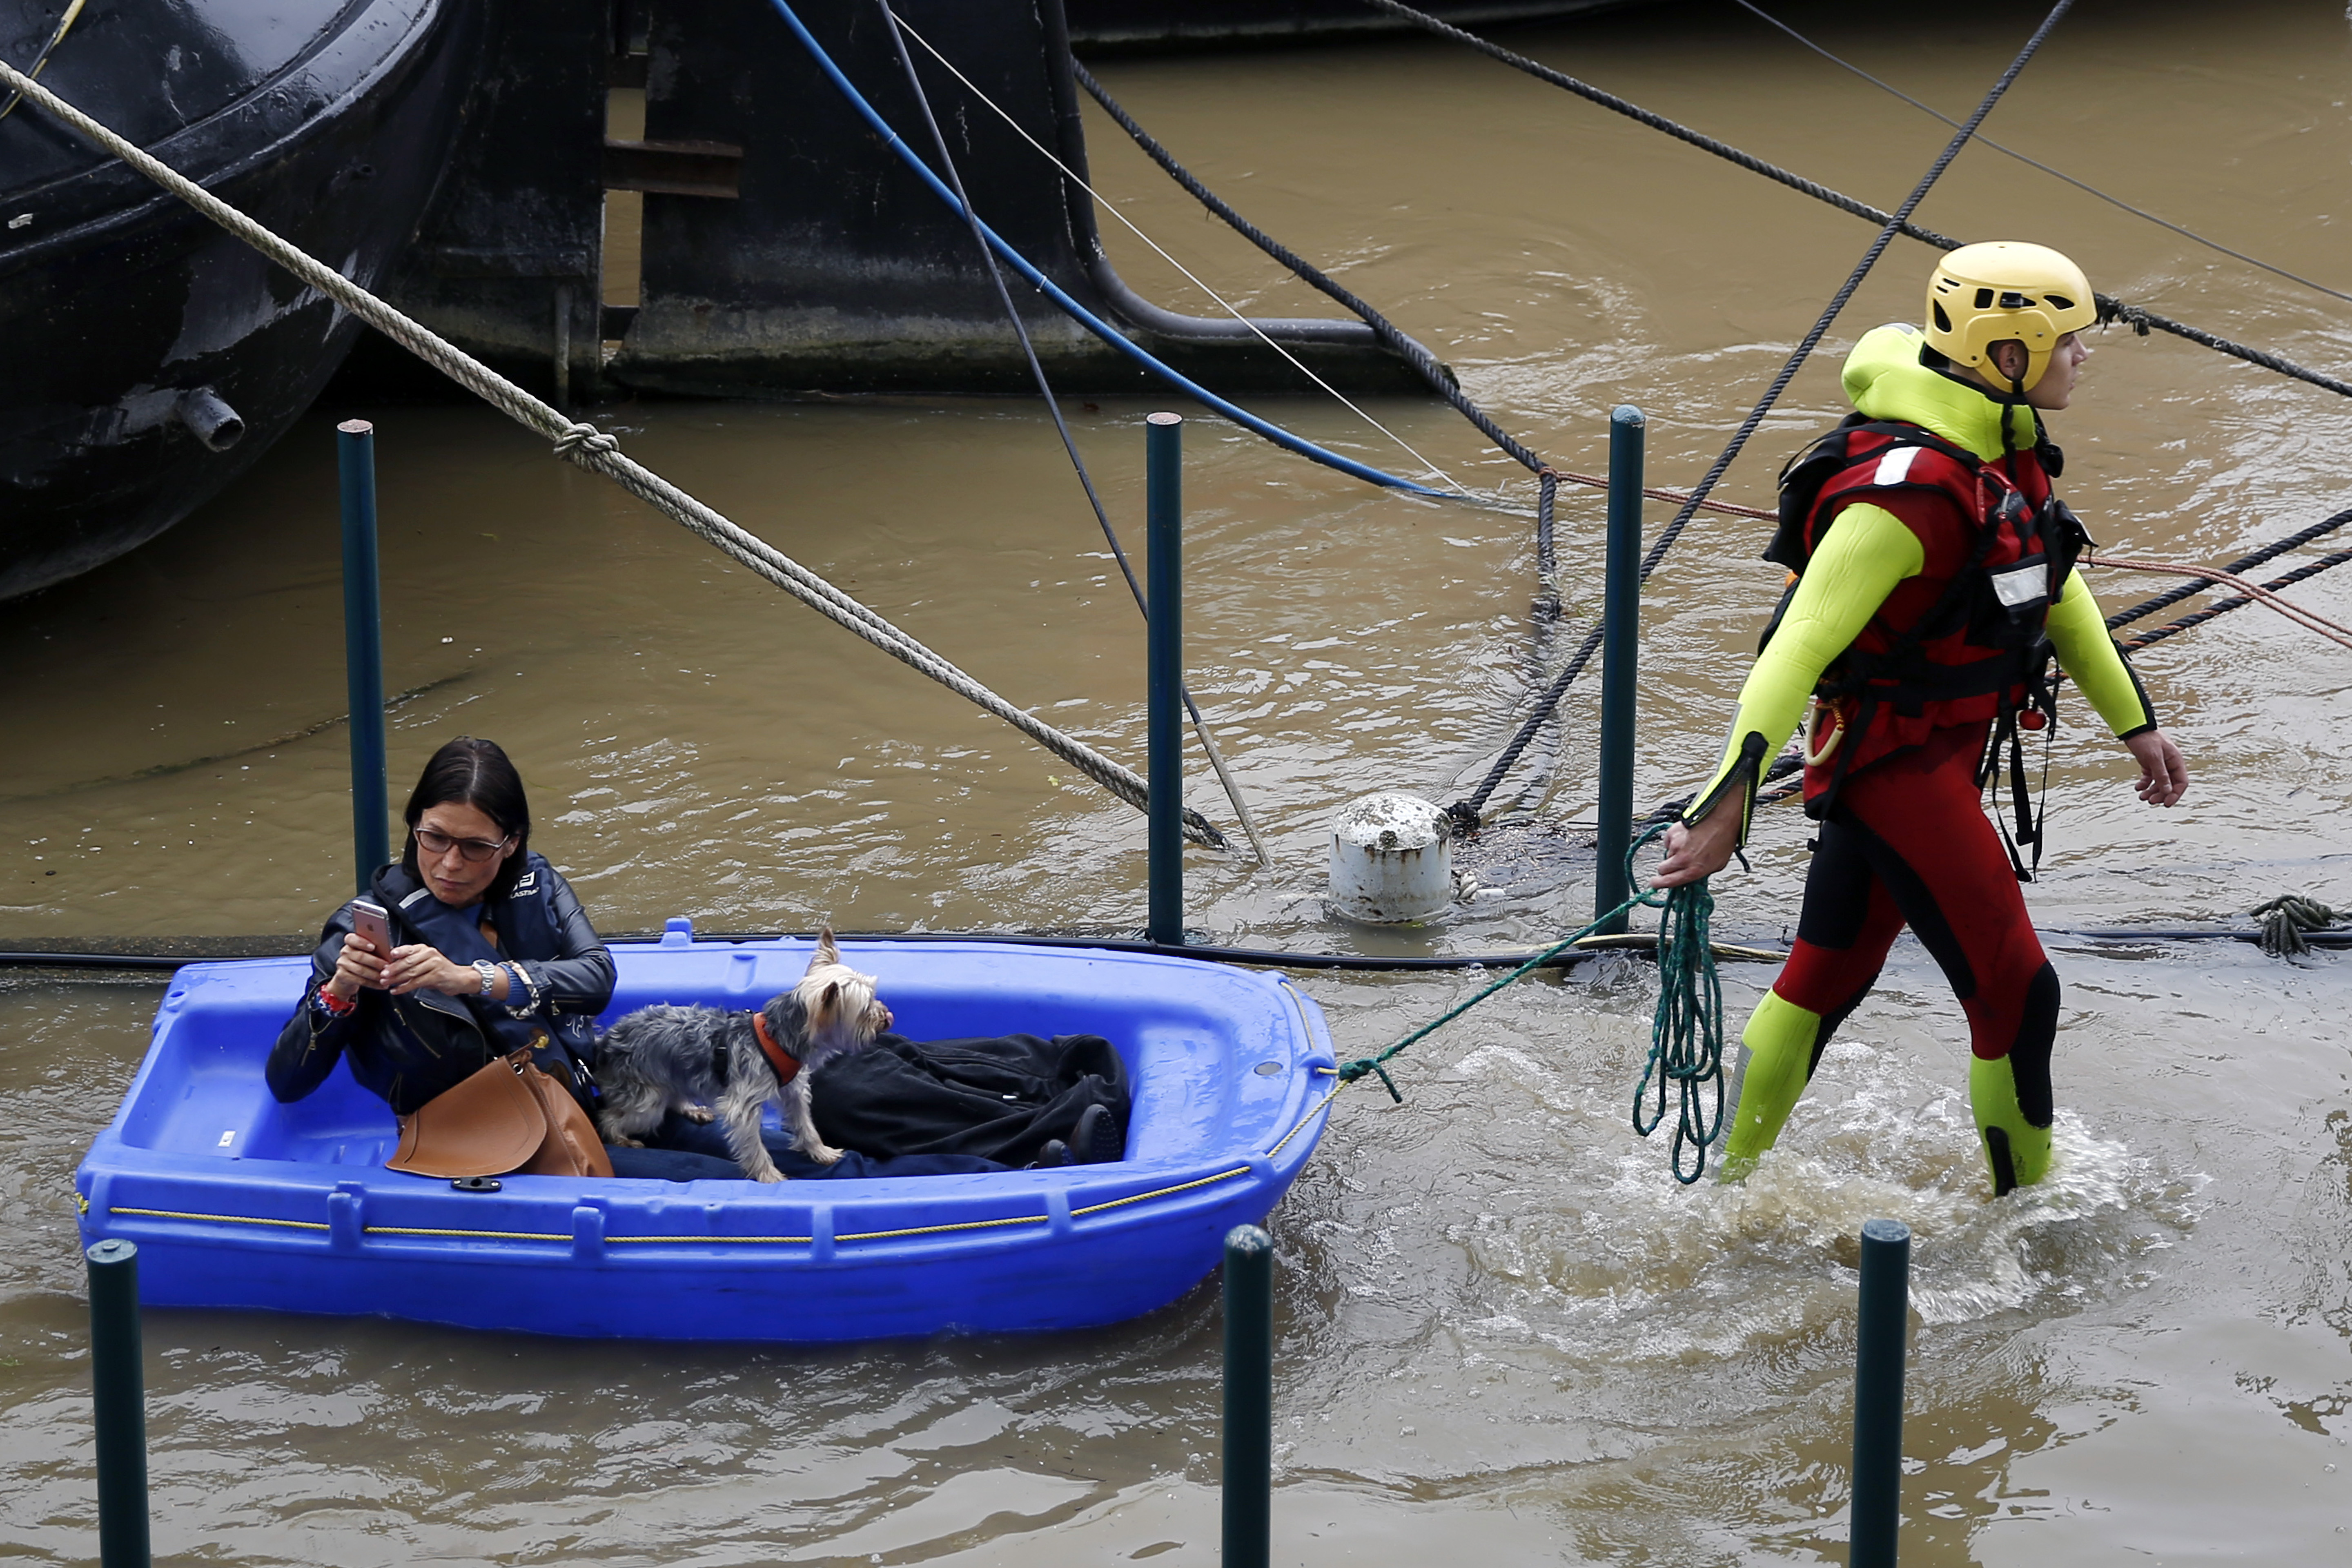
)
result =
(1847, 924)
(1918, 818)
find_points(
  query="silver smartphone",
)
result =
(370, 921)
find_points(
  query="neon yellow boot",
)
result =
(1776, 1060)
(2016, 1152)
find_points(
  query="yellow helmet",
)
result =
(2005, 289)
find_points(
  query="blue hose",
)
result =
(1087, 317)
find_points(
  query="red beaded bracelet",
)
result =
(334, 1003)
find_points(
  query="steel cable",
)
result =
(1435, 371)
(1061, 426)
(2139, 318)
(1467, 811)
(2083, 185)
(1432, 370)
(1190, 276)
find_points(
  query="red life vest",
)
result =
(1964, 641)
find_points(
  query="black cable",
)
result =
(2139, 318)
(1262, 957)
(1432, 370)
(2083, 185)
(2222, 608)
(2197, 933)
(1045, 391)
(1468, 810)
(2239, 567)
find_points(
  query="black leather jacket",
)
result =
(409, 1048)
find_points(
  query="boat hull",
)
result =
(236, 1202)
(151, 357)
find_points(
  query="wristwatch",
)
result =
(490, 974)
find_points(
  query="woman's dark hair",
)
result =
(467, 772)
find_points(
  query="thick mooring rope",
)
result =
(2310, 620)
(2222, 607)
(1467, 812)
(2270, 551)
(41, 60)
(2139, 318)
(598, 452)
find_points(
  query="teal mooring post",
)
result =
(1885, 1320)
(1249, 1397)
(1163, 452)
(119, 1400)
(363, 647)
(1621, 632)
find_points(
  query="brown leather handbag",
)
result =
(509, 1117)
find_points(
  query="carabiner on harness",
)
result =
(1826, 718)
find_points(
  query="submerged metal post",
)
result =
(1163, 437)
(363, 647)
(1878, 1505)
(1620, 634)
(118, 1401)
(1249, 1397)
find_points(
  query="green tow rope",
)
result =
(1686, 1035)
(1686, 1032)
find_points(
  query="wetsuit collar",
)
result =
(1885, 380)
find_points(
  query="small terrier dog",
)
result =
(694, 1058)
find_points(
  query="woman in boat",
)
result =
(1933, 579)
(502, 957)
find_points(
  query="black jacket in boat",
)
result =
(409, 1048)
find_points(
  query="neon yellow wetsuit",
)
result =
(1907, 841)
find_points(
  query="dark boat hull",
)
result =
(1180, 23)
(150, 358)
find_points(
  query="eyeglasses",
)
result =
(474, 849)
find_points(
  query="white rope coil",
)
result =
(598, 452)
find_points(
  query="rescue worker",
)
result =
(1932, 579)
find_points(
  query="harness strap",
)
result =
(787, 1066)
(2041, 697)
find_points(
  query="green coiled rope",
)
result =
(1686, 1033)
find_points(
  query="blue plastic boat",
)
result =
(237, 1201)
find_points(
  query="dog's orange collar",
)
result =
(787, 1066)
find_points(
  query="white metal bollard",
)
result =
(1391, 860)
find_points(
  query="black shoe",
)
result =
(1053, 1155)
(1097, 1140)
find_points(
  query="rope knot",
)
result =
(1368, 1067)
(2132, 316)
(2286, 918)
(579, 438)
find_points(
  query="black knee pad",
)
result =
(1832, 1021)
(2029, 1058)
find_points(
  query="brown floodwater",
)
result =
(1502, 1327)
